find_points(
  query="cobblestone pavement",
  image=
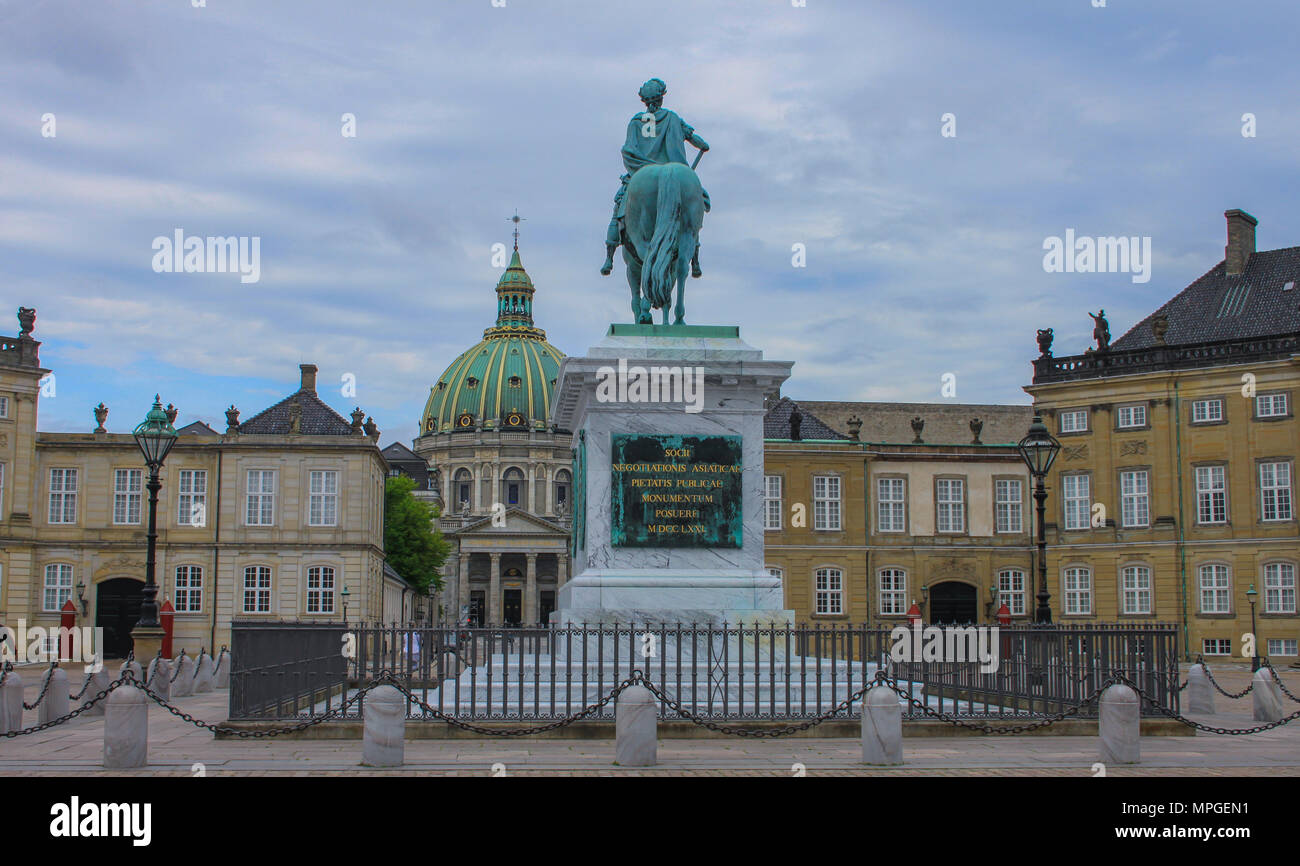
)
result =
(175, 748)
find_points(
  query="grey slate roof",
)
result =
(945, 423)
(1217, 307)
(318, 419)
(196, 428)
(399, 453)
(776, 423)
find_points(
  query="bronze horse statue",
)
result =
(665, 210)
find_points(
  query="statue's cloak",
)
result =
(666, 145)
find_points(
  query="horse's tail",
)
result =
(658, 272)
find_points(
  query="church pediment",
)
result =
(516, 522)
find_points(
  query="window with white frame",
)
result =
(1207, 411)
(4, 407)
(1131, 416)
(1078, 500)
(1270, 405)
(320, 589)
(192, 497)
(891, 505)
(1275, 490)
(950, 504)
(1216, 646)
(260, 510)
(58, 586)
(257, 589)
(1282, 646)
(893, 591)
(1134, 498)
(127, 484)
(187, 591)
(323, 509)
(1078, 591)
(1135, 590)
(830, 591)
(1216, 588)
(1211, 495)
(63, 496)
(1011, 590)
(771, 501)
(1008, 505)
(1074, 421)
(2, 491)
(1279, 587)
(826, 502)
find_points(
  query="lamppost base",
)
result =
(147, 643)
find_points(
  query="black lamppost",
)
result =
(1039, 449)
(155, 436)
(345, 595)
(1251, 595)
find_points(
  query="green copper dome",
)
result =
(505, 381)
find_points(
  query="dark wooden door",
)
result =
(512, 610)
(952, 603)
(117, 610)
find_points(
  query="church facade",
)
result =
(501, 474)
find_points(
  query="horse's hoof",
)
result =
(605, 270)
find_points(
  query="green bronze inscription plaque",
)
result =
(676, 491)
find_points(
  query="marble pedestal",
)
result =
(617, 585)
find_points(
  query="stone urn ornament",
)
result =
(101, 415)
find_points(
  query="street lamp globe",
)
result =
(155, 435)
(1039, 448)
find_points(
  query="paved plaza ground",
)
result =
(175, 747)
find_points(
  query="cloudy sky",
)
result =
(924, 251)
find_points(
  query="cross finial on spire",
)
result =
(516, 219)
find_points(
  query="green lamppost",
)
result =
(345, 595)
(1251, 595)
(1038, 449)
(155, 436)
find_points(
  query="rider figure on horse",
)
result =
(654, 137)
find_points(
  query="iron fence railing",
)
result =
(723, 672)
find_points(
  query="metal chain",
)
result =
(199, 661)
(1277, 679)
(1210, 729)
(758, 733)
(1220, 689)
(49, 678)
(242, 734)
(634, 679)
(103, 694)
(216, 667)
(84, 686)
(177, 672)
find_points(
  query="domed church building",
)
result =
(499, 472)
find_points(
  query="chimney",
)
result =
(1241, 242)
(308, 378)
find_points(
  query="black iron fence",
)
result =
(775, 672)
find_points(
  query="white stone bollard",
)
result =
(98, 681)
(882, 727)
(222, 672)
(1267, 697)
(384, 739)
(183, 684)
(57, 701)
(135, 667)
(203, 681)
(11, 703)
(159, 678)
(636, 728)
(1200, 694)
(1119, 725)
(126, 728)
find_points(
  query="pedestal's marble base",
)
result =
(661, 596)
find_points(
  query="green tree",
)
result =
(413, 543)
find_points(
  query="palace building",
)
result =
(279, 517)
(871, 507)
(1173, 497)
(500, 473)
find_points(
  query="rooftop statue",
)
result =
(658, 209)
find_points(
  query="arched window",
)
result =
(1135, 590)
(257, 589)
(514, 489)
(58, 586)
(320, 589)
(464, 489)
(1279, 587)
(1078, 591)
(1215, 582)
(1011, 590)
(830, 591)
(187, 589)
(562, 487)
(893, 591)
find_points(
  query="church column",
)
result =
(494, 592)
(561, 569)
(529, 500)
(550, 492)
(462, 590)
(530, 591)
